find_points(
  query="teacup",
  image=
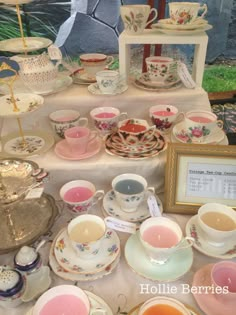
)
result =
(223, 275)
(182, 13)
(106, 119)
(164, 116)
(161, 238)
(135, 131)
(199, 124)
(163, 305)
(86, 233)
(161, 69)
(130, 190)
(78, 139)
(80, 196)
(61, 120)
(56, 300)
(93, 63)
(135, 17)
(218, 222)
(108, 81)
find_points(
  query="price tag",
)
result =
(35, 193)
(54, 52)
(120, 225)
(185, 76)
(153, 206)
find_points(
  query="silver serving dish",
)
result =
(22, 223)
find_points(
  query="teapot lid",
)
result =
(11, 281)
(26, 256)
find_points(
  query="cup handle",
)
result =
(220, 124)
(155, 16)
(180, 117)
(190, 241)
(203, 7)
(123, 116)
(109, 61)
(99, 194)
(93, 135)
(83, 121)
(151, 189)
(97, 310)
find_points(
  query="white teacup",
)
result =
(93, 63)
(86, 233)
(130, 190)
(218, 222)
(161, 69)
(161, 238)
(61, 120)
(108, 81)
(135, 17)
(182, 13)
(80, 196)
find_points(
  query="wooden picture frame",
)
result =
(197, 174)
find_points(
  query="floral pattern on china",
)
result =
(133, 21)
(192, 135)
(182, 17)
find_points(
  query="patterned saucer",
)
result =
(167, 23)
(64, 274)
(144, 86)
(70, 261)
(209, 303)
(179, 264)
(161, 29)
(228, 251)
(145, 80)
(112, 208)
(62, 150)
(94, 89)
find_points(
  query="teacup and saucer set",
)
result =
(213, 229)
(163, 253)
(135, 139)
(128, 198)
(221, 279)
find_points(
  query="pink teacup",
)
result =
(78, 138)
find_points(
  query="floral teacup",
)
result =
(161, 69)
(186, 12)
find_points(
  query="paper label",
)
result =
(54, 53)
(35, 193)
(153, 206)
(185, 76)
(120, 225)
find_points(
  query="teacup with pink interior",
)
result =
(164, 116)
(161, 69)
(106, 119)
(78, 139)
(200, 124)
(61, 120)
(93, 63)
(223, 275)
(80, 196)
(56, 300)
(161, 238)
(86, 233)
(182, 13)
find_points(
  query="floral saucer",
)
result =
(144, 86)
(196, 135)
(94, 89)
(167, 23)
(70, 261)
(139, 262)
(228, 251)
(209, 303)
(36, 284)
(224, 141)
(198, 30)
(63, 150)
(145, 80)
(95, 302)
(64, 274)
(112, 208)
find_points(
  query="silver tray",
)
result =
(23, 222)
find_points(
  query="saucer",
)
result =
(145, 80)
(64, 274)
(145, 87)
(228, 251)
(209, 304)
(95, 302)
(112, 208)
(163, 30)
(62, 150)
(36, 284)
(15, 45)
(82, 78)
(138, 261)
(167, 23)
(186, 136)
(224, 141)
(94, 89)
(69, 260)
(62, 82)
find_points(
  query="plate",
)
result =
(63, 150)
(186, 136)
(25, 102)
(143, 86)
(209, 303)
(64, 274)
(15, 45)
(145, 80)
(112, 208)
(167, 24)
(228, 251)
(224, 141)
(22, 223)
(69, 260)
(183, 32)
(37, 142)
(179, 264)
(94, 89)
